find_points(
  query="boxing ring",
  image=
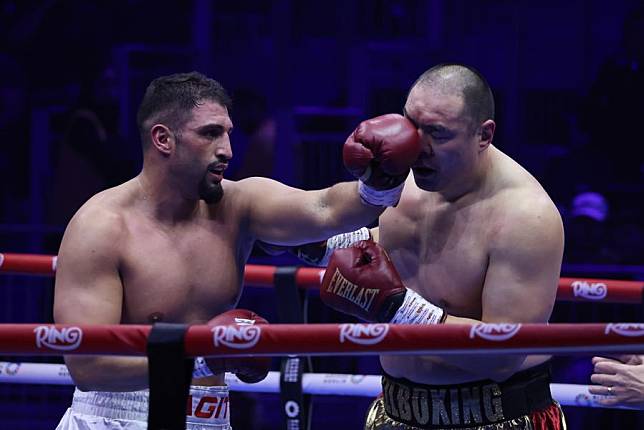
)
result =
(296, 340)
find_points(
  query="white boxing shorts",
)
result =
(207, 409)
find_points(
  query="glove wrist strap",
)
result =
(201, 369)
(343, 240)
(371, 196)
(417, 310)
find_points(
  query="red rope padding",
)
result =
(329, 339)
(570, 289)
(31, 264)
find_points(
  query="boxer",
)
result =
(171, 244)
(474, 238)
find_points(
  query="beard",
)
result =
(209, 192)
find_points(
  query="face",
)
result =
(203, 150)
(449, 142)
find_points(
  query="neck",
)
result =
(162, 197)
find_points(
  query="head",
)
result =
(453, 108)
(184, 124)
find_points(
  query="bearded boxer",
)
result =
(475, 238)
(171, 244)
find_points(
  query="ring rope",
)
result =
(330, 339)
(569, 289)
(331, 384)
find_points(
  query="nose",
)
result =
(427, 149)
(224, 150)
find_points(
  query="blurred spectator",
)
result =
(91, 155)
(614, 109)
(627, 235)
(254, 138)
(14, 135)
(587, 231)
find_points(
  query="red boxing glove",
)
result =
(362, 281)
(381, 151)
(247, 369)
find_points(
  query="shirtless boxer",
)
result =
(475, 238)
(171, 244)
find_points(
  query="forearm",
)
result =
(108, 373)
(344, 210)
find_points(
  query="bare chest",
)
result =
(187, 274)
(440, 253)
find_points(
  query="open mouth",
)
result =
(217, 172)
(424, 171)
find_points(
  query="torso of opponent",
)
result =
(447, 252)
(186, 272)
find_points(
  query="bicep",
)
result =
(284, 215)
(523, 273)
(88, 287)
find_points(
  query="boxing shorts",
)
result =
(207, 409)
(521, 402)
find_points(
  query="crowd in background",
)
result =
(58, 61)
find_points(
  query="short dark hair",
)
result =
(472, 86)
(170, 99)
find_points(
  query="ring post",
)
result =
(291, 308)
(170, 374)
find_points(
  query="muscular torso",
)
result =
(440, 250)
(186, 272)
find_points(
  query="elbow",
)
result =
(83, 373)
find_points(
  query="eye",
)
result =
(213, 132)
(437, 136)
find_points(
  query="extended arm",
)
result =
(89, 291)
(380, 152)
(284, 215)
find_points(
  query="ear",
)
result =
(487, 134)
(162, 139)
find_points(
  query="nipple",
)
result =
(155, 317)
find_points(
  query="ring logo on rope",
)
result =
(357, 379)
(583, 400)
(63, 371)
(292, 409)
(363, 334)
(589, 290)
(625, 329)
(495, 332)
(238, 337)
(67, 339)
(9, 369)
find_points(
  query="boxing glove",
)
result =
(380, 152)
(362, 281)
(247, 369)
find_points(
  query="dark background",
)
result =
(568, 78)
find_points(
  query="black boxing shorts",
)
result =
(521, 402)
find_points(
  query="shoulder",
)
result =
(256, 189)
(255, 185)
(526, 217)
(100, 222)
